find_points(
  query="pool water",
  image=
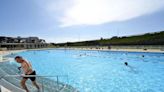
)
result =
(102, 71)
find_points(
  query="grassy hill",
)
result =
(156, 38)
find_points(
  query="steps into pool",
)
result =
(13, 83)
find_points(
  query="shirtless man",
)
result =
(27, 69)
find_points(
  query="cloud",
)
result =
(95, 12)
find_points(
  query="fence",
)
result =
(45, 84)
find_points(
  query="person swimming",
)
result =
(130, 67)
(126, 63)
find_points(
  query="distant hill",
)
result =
(156, 38)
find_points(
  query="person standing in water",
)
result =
(27, 69)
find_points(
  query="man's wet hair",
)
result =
(18, 57)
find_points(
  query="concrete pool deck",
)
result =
(7, 52)
(126, 50)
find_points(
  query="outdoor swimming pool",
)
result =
(102, 71)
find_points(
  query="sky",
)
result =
(79, 20)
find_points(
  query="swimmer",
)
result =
(126, 63)
(131, 68)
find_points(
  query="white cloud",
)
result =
(94, 12)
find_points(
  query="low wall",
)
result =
(160, 47)
(143, 47)
(3, 49)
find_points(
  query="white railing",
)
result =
(58, 88)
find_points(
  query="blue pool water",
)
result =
(102, 71)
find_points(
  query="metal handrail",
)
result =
(35, 75)
(57, 77)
